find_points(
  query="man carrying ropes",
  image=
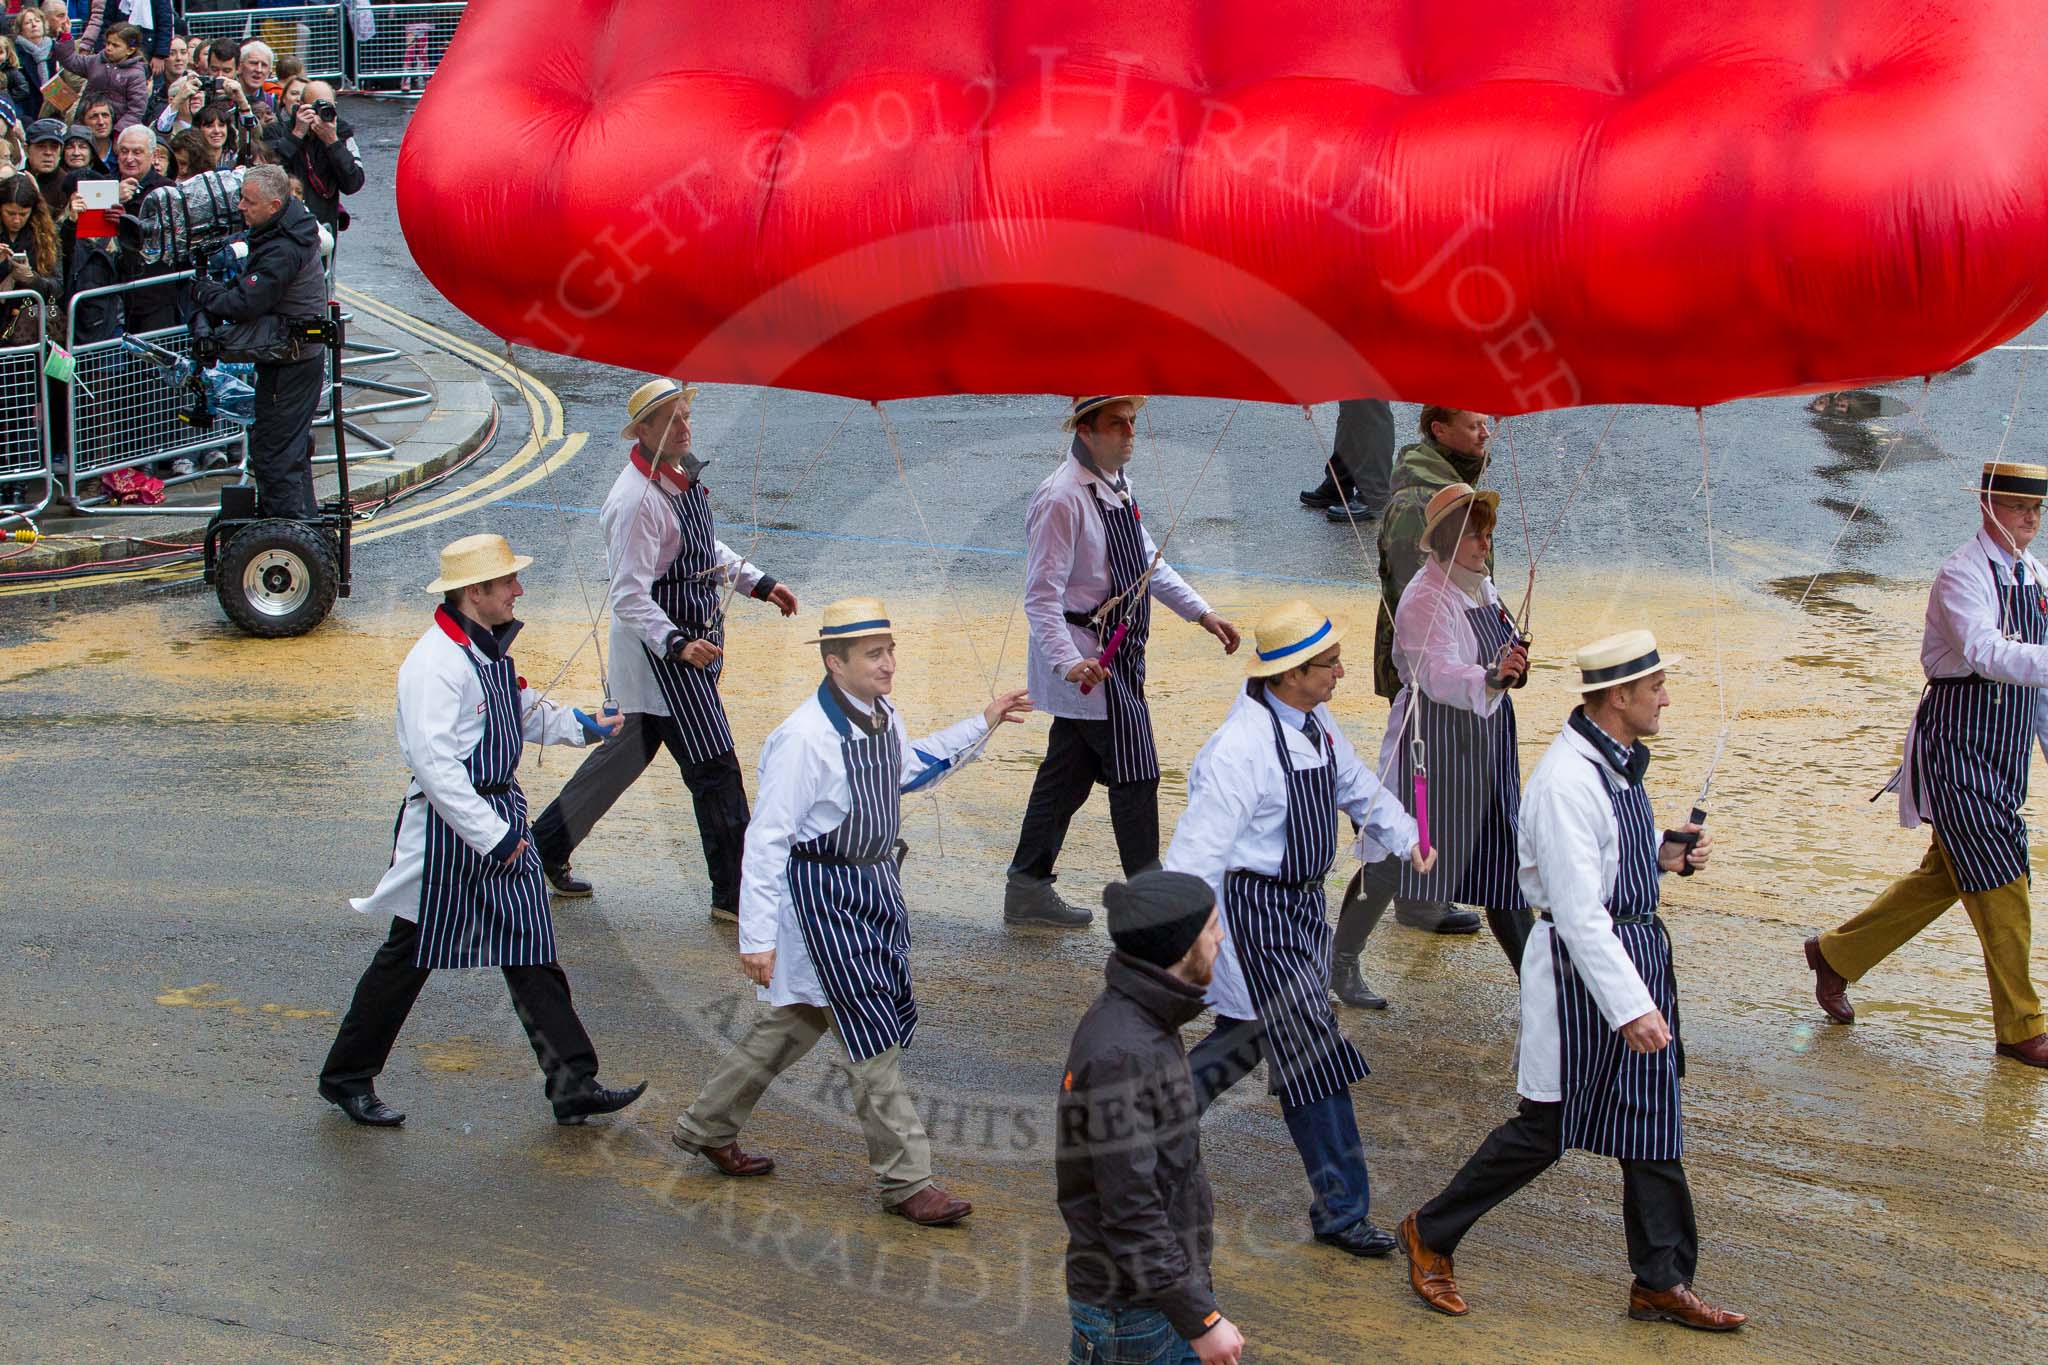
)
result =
(668, 587)
(1600, 1058)
(464, 886)
(1985, 653)
(1452, 450)
(824, 933)
(1261, 829)
(1090, 573)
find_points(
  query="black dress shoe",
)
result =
(365, 1108)
(1362, 1238)
(596, 1100)
(566, 884)
(1350, 510)
(1028, 900)
(1347, 983)
(1322, 495)
(1436, 917)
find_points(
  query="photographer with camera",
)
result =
(319, 148)
(281, 289)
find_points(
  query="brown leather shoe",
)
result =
(1429, 1274)
(2034, 1052)
(729, 1158)
(1680, 1305)
(932, 1207)
(1830, 987)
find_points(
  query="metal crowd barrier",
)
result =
(24, 418)
(408, 41)
(120, 413)
(312, 33)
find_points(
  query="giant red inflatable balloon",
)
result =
(1500, 204)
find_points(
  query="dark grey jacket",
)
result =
(1128, 1154)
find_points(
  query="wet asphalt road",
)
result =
(190, 808)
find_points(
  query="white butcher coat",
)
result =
(1237, 814)
(440, 723)
(1961, 637)
(803, 793)
(1570, 855)
(641, 539)
(1066, 568)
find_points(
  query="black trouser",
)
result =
(1362, 456)
(716, 789)
(384, 997)
(1362, 912)
(1076, 758)
(1656, 1203)
(281, 438)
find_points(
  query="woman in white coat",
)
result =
(1459, 654)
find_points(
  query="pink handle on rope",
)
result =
(1116, 637)
(1422, 811)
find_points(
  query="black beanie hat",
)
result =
(1157, 916)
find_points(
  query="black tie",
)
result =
(1313, 731)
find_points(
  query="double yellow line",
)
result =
(546, 449)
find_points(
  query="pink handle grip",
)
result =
(1116, 637)
(1422, 813)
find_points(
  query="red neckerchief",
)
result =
(669, 474)
(451, 627)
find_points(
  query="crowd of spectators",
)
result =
(98, 90)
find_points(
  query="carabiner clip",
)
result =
(1415, 755)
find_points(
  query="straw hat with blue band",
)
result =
(852, 617)
(650, 396)
(1084, 406)
(1290, 635)
(1620, 658)
(2003, 480)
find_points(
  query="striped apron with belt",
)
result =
(848, 896)
(1132, 756)
(689, 593)
(1620, 1103)
(1475, 789)
(1973, 737)
(1280, 928)
(475, 911)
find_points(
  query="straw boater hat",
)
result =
(1289, 635)
(1619, 659)
(652, 395)
(852, 617)
(2012, 480)
(1084, 406)
(1449, 500)
(476, 559)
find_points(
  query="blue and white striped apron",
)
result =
(1974, 736)
(1280, 928)
(690, 593)
(1132, 754)
(475, 911)
(849, 898)
(1475, 789)
(1620, 1103)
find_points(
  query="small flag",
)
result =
(63, 368)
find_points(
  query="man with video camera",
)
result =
(280, 292)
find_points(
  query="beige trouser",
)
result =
(1916, 900)
(899, 1153)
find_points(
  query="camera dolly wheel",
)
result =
(276, 578)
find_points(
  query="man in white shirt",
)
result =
(824, 933)
(1600, 1058)
(464, 886)
(1261, 829)
(669, 577)
(1090, 574)
(1985, 653)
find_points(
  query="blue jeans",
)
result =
(1125, 1336)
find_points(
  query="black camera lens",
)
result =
(325, 109)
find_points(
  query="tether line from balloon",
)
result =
(930, 541)
(1536, 552)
